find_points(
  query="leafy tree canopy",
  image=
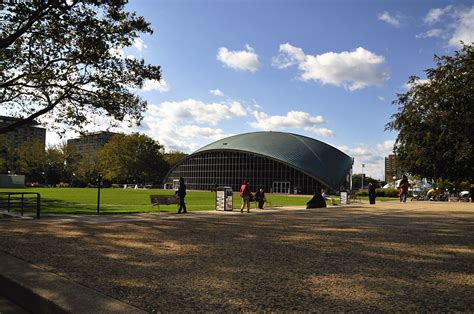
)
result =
(435, 120)
(173, 157)
(62, 58)
(132, 158)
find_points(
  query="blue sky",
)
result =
(324, 69)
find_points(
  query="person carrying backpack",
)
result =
(245, 195)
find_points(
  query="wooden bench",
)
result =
(157, 200)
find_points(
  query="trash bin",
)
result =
(224, 198)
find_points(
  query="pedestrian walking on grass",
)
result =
(181, 194)
(372, 193)
(245, 194)
(404, 186)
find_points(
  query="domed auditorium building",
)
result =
(277, 161)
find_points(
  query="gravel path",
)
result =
(417, 256)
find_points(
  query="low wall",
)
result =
(9, 181)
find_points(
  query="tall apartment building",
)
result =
(91, 142)
(28, 133)
(13, 140)
(391, 168)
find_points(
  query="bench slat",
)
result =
(163, 200)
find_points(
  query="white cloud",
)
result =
(292, 120)
(435, 32)
(386, 147)
(387, 18)
(381, 98)
(372, 158)
(180, 125)
(216, 92)
(324, 132)
(117, 52)
(434, 15)
(120, 53)
(354, 70)
(288, 56)
(151, 85)
(139, 44)
(197, 111)
(458, 25)
(417, 82)
(245, 60)
(464, 28)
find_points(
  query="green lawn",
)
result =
(84, 200)
(77, 200)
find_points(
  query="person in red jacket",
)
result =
(245, 195)
(404, 186)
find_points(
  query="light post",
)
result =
(99, 184)
(362, 187)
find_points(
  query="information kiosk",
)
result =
(224, 198)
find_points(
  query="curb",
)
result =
(39, 291)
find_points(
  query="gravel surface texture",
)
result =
(388, 257)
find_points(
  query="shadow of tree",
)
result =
(335, 259)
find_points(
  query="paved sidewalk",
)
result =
(413, 257)
(41, 291)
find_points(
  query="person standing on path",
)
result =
(372, 193)
(245, 195)
(181, 194)
(260, 198)
(404, 186)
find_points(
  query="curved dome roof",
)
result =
(315, 158)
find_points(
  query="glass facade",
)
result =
(207, 170)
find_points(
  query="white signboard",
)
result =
(220, 200)
(344, 198)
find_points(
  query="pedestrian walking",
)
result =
(372, 193)
(245, 194)
(181, 194)
(260, 198)
(404, 186)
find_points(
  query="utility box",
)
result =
(224, 198)
(12, 181)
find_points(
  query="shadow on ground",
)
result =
(389, 257)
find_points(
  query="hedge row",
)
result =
(381, 192)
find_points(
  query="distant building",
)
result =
(28, 133)
(278, 162)
(391, 168)
(90, 142)
(11, 141)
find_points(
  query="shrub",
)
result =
(387, 192)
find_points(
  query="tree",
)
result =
(33, 161)
(71, 160)
(132, 158)
(357, 181)
(173, 157)
(435, 120)
(63, 58)
(87, 171)
(8, 154)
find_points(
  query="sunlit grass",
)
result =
(84, 200)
